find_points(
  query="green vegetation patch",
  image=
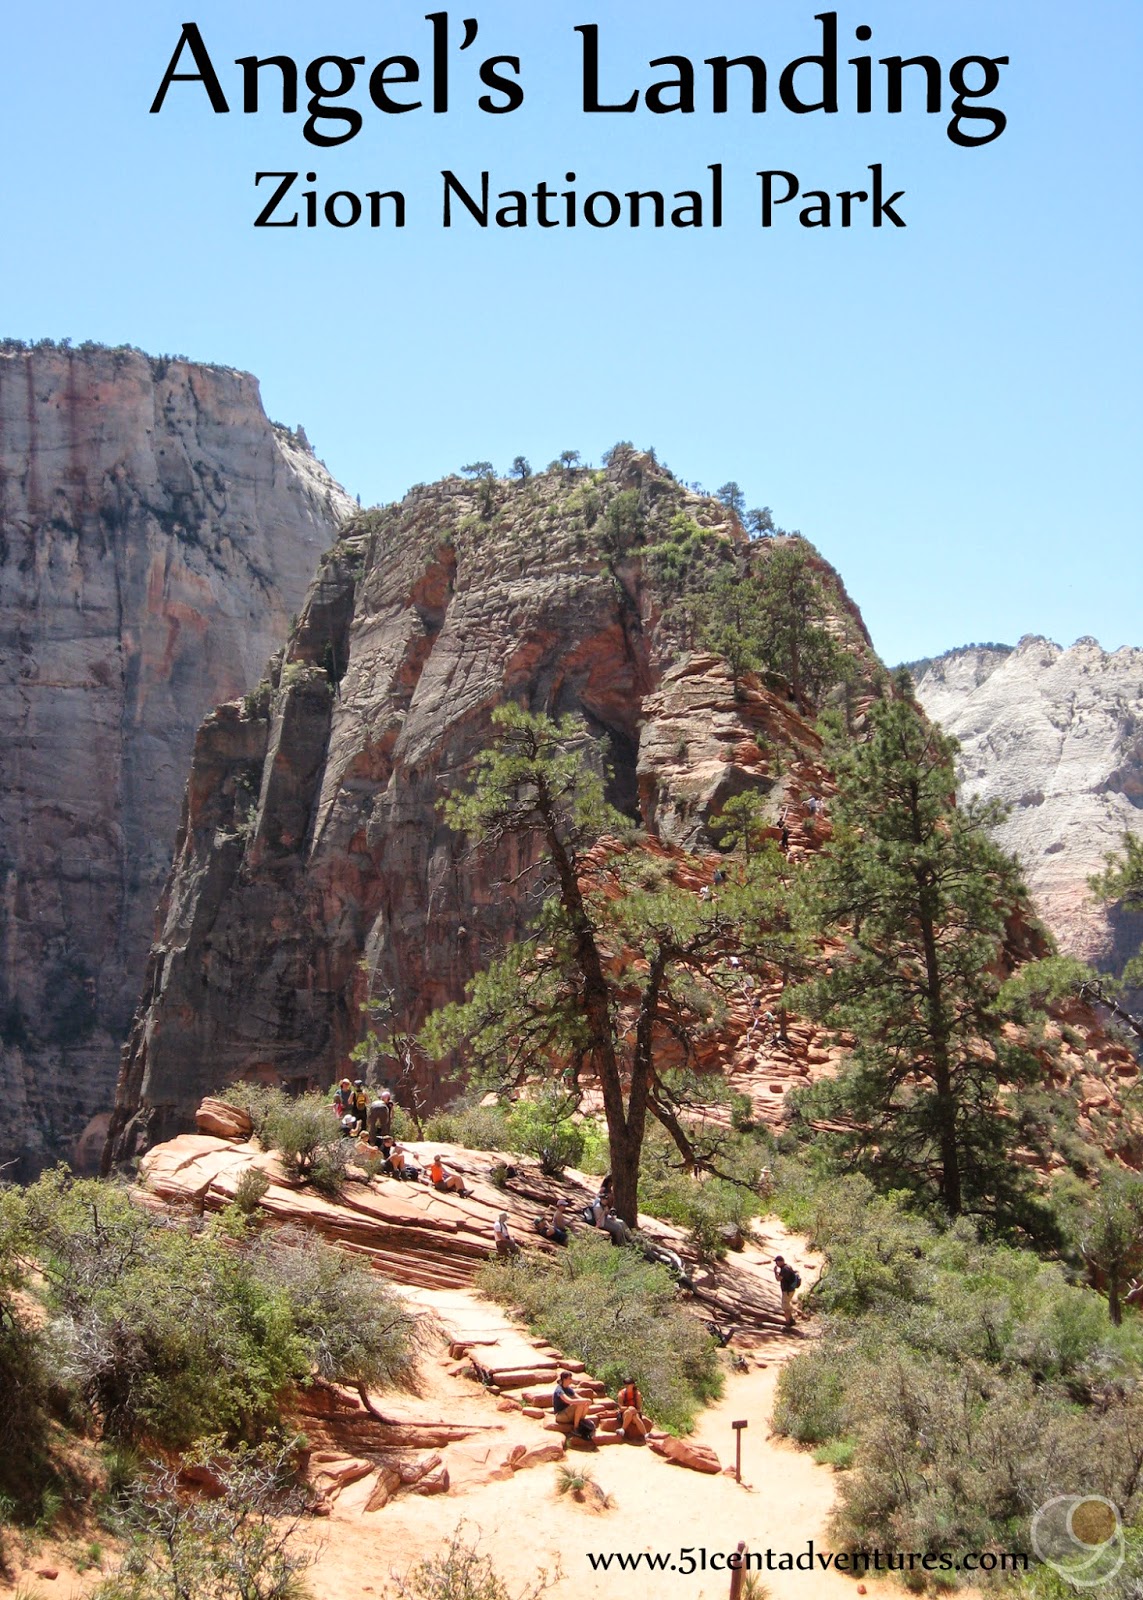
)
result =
(618, 1314)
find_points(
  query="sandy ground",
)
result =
(524, 1524)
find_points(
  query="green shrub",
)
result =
(475, 1127)
(838, 1453)
(543, 1127)
(172, 1335)
(958, 1377)
(302, 1131)
(355, 1329)
(617, 1314)
(249, 1189)
(236, 1545)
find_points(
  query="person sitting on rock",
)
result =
(553, 1227)
(633, 1425)
(502, 1238)
(603, 1201)
(559, 1223)
(618, 1230)
(348, 1125)
(398, 1162)
(569, 1410)
(444, 1180)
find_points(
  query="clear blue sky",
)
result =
(951, 412)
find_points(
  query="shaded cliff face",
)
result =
(156, 534)
(1057, 735)
(313, 868)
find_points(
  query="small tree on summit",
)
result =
(759, 522)
(478, 469)
(733, 499)
(520, 469)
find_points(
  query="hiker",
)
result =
(618, 1230)
(789, 1282)
(445, 1181)
(633, 1424)
(784, 840)
(502, 1239)
(399, 1162)
(553, 1227)
(569, 1410)
(343, 1098)
(359, 1105)
(380, 1122)
(348, 1125)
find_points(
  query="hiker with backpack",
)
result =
(789, 1281)
(359, 1105)
(502, 1238)
(380, 1123)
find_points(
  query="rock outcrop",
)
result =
(314, 870)
(156, 533)
(1057, 735)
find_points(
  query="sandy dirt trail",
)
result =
(524, 1524)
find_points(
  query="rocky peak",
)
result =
(156, 533)
(1056, 735)
(313, 867)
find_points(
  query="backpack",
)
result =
(586, 1429)
(797, 1280)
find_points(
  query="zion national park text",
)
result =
(778, 197)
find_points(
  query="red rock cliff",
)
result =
(311, 840)
(156, 533)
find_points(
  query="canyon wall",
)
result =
(156, 534)
(314, 871)
(1057, 735)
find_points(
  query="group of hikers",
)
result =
(555, 1225)
(360, 1116)
(572, 1410)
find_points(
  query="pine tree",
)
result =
(922, 894)
(1121, 885)
(771, 618)
(792, 611)
(622, 960)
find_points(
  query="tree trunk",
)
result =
(1114, 1307)
(949, 1149)
(624, 1129)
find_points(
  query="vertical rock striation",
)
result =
(156, 533)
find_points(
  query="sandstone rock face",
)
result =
(312, 842)
(1057, 735)
(156, 533)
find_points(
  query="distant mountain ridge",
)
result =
(1057, 735)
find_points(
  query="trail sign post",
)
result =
(738, 1427)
